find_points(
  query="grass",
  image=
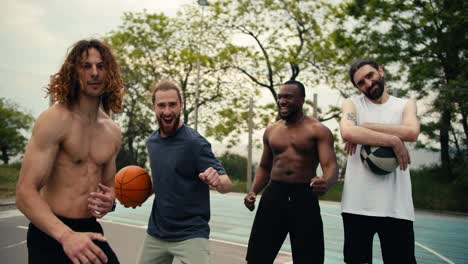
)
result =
(8, 178)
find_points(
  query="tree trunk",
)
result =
(5, 157)
(444, 142)
(465, 129)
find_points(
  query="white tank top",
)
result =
(365, 193)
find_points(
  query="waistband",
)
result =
(289, 184)
(76, 221)
(76, 224)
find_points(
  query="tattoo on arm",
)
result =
(352, 117)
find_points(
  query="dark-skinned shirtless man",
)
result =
(292, 149)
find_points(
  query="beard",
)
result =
(376, 93)
(292, 111)
(169, 129)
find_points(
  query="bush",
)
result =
(334, 194)
(432, 190)
(239, 186)
(8, 178)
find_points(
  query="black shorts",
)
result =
(396, 239)
(287, 208)
(44, 249)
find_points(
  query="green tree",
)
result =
(151, 47)
(14, 124)
(424, 43)
(267, 43)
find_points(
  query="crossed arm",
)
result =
(381, 134)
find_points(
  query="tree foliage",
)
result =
(280, 40)
(423, 45)
(153, 47)
(267, 43)
(14, 124)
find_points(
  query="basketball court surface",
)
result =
(440, 238)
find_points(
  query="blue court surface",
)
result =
(440, 238)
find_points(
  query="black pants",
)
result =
(287, 208)
(44, 249)
(396, 239)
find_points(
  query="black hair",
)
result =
(358, 64)
(299, 85)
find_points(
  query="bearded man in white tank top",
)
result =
(374, 203)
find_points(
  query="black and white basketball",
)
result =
(379, 160)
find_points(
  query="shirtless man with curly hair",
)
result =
(68, 169)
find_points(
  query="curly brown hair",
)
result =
(64, 85)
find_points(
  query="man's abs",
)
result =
(67, 190)
(290, 170)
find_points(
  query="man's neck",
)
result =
(295, 119)
(164, 135)
(87, 108)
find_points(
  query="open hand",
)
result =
(350, 148)
(402, 154)
(80, 248)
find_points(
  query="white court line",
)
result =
(215, 240)
(430, 250)
(124, 224)
(12, 213)
(434, 252)
(13, 245)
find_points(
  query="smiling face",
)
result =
(91, 73)
(167, 107)
(290, 101)
(370, 81)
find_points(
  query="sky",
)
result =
(35, 36)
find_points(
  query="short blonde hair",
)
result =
(165, 86)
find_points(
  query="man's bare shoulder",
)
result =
(52, 124)
(57, 115)
(276, 125)
(317, 126)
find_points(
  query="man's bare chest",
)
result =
(94, 144)
(298, 140)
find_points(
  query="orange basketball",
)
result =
(132, 186)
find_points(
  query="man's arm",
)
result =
(352, 133)
(37, 165)
(409, 129)
(327, 159)
(208, 162)
(262, 174)
(221, 183)
(225, 184)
